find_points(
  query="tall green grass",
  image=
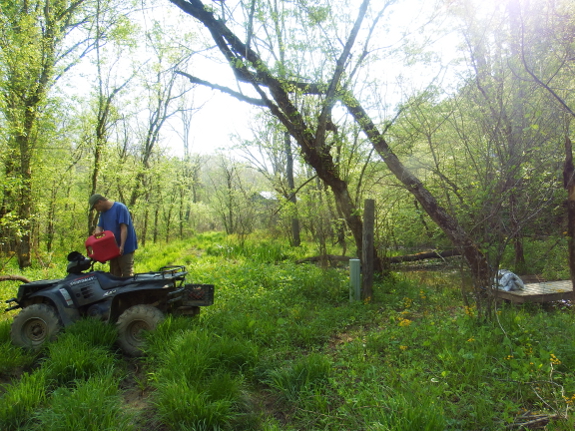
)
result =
(94, 404)
(20, 400)
(73, 384)
(12, 357)
(301, 378)
(199, 377)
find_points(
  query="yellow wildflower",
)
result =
(404, 322)
(554, 360)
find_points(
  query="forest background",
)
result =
(455, 116)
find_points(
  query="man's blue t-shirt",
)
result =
(111, 220)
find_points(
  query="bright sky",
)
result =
(221, 115)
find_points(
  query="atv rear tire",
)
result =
(132, 322)
(35, 325)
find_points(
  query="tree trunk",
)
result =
(367, 252)
(50, 230)
(569, 184)
(155, 236)
(25, 204)
(168, 223)
(145, 227)
(295, 228)
(92, 214)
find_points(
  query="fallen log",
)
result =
(334, 259)
(423, 256)
(14, 278)
(331, 258)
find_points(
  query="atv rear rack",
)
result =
(177, 272)
(172, 269)
(193, 295)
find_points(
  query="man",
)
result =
(115, 217)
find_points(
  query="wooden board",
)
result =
(540, 292)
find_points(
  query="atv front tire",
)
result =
(35, 325)
(132, 322)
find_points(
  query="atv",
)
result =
(133, 303)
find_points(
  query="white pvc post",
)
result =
(355, 280)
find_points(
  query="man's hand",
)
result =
(97, 230)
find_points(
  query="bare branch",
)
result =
(226, 90)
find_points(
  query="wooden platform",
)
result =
(540, 292)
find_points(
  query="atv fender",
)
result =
(149, 294)
(58, 299)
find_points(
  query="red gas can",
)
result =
(102, 246)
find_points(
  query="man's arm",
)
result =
(123, 236)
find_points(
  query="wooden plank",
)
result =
(540, 292)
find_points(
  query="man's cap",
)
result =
(95, 198)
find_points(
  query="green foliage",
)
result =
(155, 256)
(257, 252)
(553, 267)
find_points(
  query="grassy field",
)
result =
(282, 348)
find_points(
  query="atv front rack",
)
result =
(32, 287)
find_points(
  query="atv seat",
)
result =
(109, 281)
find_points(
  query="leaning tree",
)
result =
(281, 93)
